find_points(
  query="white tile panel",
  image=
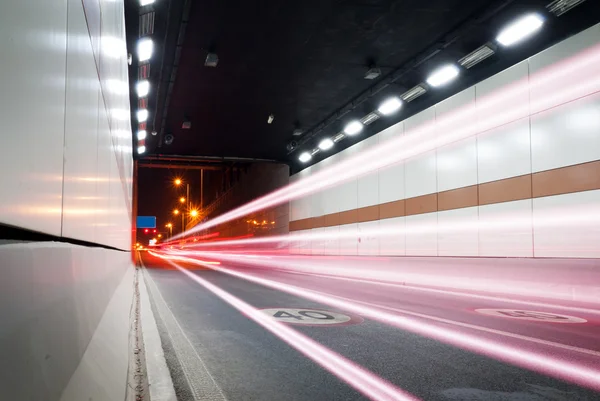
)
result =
(505, 229)
(81, 128)
(392, 241)
(391, 183)
(458, 233)
(332, 242)
(368, 190)
(32, 83)
(457, 165)
(504, 152)
(103, 223)
(348, 241)
(421, 235)
(567, 70)
(368, 240)
(503, 98)
(567, 225)
(566, 135)
(420, 175)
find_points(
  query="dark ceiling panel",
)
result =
(303, 60)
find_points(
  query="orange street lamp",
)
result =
(175, 212)
(159, 235)
(178, 181)
(170, 227)
(182, 199)
(194, 213)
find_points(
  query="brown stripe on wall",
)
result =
(564, 180)
(507, 190)
(368, 213)
(392, 209)
(458, 198)
(421, 204)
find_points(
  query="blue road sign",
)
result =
(146, 222)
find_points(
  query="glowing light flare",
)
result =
(390, 106)
(353, 128)
(435, 134)
(145, 48)
(142, 88)
(520, 30)
(546, 364)
(142, 115)
(304, 157)
(359, 378)
(443, 75)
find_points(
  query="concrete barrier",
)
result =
(64, 322)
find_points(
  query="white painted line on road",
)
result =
(535, 316)
(160, 384)
(201, 382)
(356, 376)
(479, 328)
(450, 292)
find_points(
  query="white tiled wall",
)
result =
(511, 135)
(57, 146)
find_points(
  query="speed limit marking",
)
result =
(311, 317)
(531, 315)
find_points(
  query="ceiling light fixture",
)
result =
(373, 73)
(390, 106)
(142, 88)
(559, 7)
(144, 49)
(443, 75)
(146, 2)
(519, 30)
(353, 128)
(476, 56)
(142, 115)
(326, 144)
(141, 135)
(305, 157)
(141, 149)
(413, 93)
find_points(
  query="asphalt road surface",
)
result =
(215, 350)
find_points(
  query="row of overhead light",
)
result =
(514, 33)
(145, 48)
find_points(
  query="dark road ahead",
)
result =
(217, 350)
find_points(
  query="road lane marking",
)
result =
(311, 317)
(356, 376)
(535, 316)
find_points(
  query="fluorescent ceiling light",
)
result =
(520, 29)
(326, 144)
(141, 135)
(304, 157)
(144, 49)
(390, 106)
(142, 88)
(141, 149)
(353, 128)
(146, 2)
(443, 75)
(142, 115)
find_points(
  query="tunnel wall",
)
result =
(66, 145)
(526, 185)
(65, 322)
(66, 168)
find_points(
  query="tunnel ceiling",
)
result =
(304, 63)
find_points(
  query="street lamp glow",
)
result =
(182, 199)
(194, 213)
(159, 235)
(175, 212)
(178, 181)
(169, 225)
